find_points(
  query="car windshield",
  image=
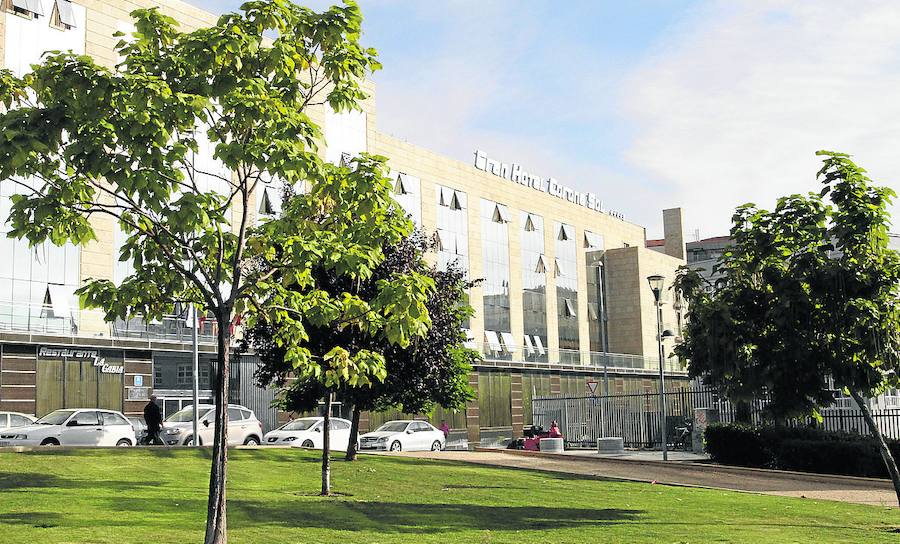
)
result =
(393, 427)
(187, 414)
(300, 425)
(56, 418)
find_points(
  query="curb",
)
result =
(811, 476)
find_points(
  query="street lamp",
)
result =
(656, 285)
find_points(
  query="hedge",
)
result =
(802, 449)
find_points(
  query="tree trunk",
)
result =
(889, 461)
(216, 532)
(326, 446)
(354, 435)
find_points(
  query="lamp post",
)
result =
(656, 285)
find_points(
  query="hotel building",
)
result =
(564, 306)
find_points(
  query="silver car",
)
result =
(243, 427)
(15, 419)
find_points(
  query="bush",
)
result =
(802, 449)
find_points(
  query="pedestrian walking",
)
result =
(445, 429)
(153, 419)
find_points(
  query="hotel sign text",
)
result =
(515, 173)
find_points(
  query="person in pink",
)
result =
(445, 429)
(554, 430)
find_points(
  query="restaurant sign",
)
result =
(85, 354)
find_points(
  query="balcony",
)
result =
(575, 360)
(77, 326)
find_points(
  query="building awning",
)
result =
(492, 340)
(59, 297)
(508, 342)
(593, 240)
(529, 346)
(539, 344)
(501, 214)
(65, 12)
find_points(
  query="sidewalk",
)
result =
(642, 468)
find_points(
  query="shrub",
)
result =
(801, 448)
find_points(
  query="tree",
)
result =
(811, 295)
(86, 142)
(431, 371)
(321, 313)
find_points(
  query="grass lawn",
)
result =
(155, 496)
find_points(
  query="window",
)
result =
(592, 311)
(184, 375)
(570, 308)
(25, 8)
(86, 419)
(420, 426)
(539, 344)
(247, 414)
(110, 418)
(541, 267)
(63, 17)
(566, 232)
(235, 414)
(15, 420)
(400, 187)
(558, 268)
(337, 425)
(445, 241)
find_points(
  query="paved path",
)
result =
(790, 484)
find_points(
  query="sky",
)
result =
(650, 104)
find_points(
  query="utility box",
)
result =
(703, 418)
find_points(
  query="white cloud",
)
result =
(736, 99)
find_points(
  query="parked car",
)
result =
(15, 419)
(73, 427)
(243, 427)
(403, 435)
(308, 432)
(140, 428)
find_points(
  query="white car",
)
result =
(243, 427)
(73, 427)
(308, 432)
(15, 419)
(405, 435)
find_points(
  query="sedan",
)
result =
(307, 432)
(14, 419)
(403, 436)
(86, 427)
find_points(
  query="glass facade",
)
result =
(566, 274)
(534, 287)
(37, 284)
(498, 340)
(596, 297)
(452, 227)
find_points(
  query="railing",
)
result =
(636, 417)
(41, 319)
(593, 360)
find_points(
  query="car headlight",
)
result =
(20, 437)
(290, 438)
(176, 430)
(383, 439)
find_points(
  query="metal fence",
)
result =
(636, 417)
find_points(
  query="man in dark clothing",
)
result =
(153, 419)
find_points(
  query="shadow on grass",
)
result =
(16, 481)
(42, 520)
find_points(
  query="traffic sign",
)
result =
(592, 387)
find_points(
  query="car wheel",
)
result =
(308, 443)
(189, 441)
(124, 443)
(251, 441)
(395, 446)
(436, 446)
(50, 442)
